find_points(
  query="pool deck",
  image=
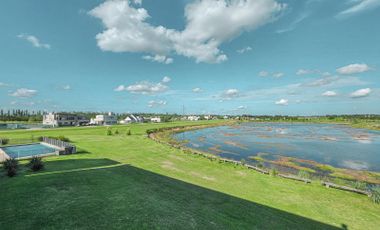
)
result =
(3, 156)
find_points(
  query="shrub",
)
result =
(360, 185)
(304, 174)
(129, 132)
(273, 172)
(40, 139)
(36, 163)
(11, 172)
(10, 166)
(109, 132)
(4, 141)
(375, 195)
(10, 163)
(242, 161)
(260, 165)
(116, 132)
(63, 138)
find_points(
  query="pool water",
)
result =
(21, 151)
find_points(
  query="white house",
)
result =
(131, 119)
(155, 119)
(64, 119)
(104, 119)
(193, 118)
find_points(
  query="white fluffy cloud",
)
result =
(361, 93)
(282, 102)
(66, 87)
(353, 69)
(158, 58)
(197, 90)
(209, 23)
(153, 103)
(263, 74)
(146, 87)
(329, 94)
(278, 74)
(230, 93)
(242, 107)
(243, 50)
(166, 79)
(24, 93)
(34, 41)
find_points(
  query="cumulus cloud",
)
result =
(146, 87)
(34, 41)
(2, 84)
(24, 93)
(263, 74)
(353, 69)
(242, 107)
(153, 103)
(209, 23)
(361, 93)
(359, 7)
(282, 102)
(329, 94)
(278, 74)
(243, 50)
(66, 87)
(197, 90)
(158, 58)
(166, 79)
(230, 93)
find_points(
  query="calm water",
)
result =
(336, 145)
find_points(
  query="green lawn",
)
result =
(120, 181)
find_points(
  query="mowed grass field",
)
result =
(132, 182)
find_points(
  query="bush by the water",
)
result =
(10, 166)
(273, 172)
(304, 174)
(4, 141)
(36, 163)
(375, 195)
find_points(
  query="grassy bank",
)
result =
(129, 181)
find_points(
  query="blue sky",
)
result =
(211, 56)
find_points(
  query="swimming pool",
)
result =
(25, 151)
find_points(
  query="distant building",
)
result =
(225, 117)
(193, 118)
(64, 119)
(207, 117)
(104, 119)
(155, 119)
(132, 119)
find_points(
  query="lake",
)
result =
(304, 144)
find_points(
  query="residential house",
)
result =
(64, 119)
(104, 119)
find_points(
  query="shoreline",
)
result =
(165, 136)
